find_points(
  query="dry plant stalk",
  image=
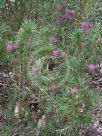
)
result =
(16, 110)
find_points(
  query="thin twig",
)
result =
(30, 10)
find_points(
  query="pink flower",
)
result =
(74, 90)
(59, 6)
(35, 69)
(86, 25)
(55, 53)
(9, 47)
(69, 14)
(91, 67)
(63, 54)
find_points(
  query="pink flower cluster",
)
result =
(35, 69)
(10, 46)
(85, 25)
(91, 67)
(74, 90)
(69, 14)
(59, 6)
(55, 53)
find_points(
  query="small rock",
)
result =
(96, 124)
(92, 131)
(99, 130)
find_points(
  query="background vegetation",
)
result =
(50, 54)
